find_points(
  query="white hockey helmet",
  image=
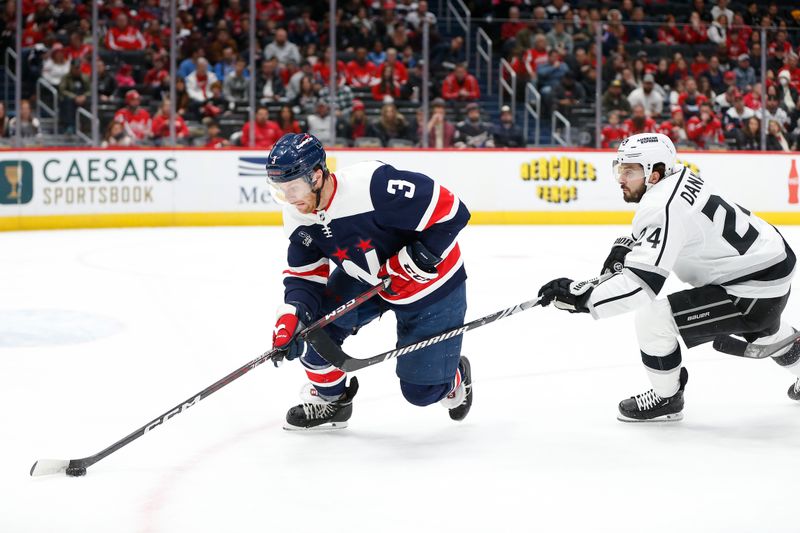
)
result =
(646, 149)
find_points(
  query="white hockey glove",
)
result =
(566, 294)
(615, 261)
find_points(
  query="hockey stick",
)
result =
(333, 353)
(732, 346)
(77, 467)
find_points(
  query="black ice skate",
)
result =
(317, 413)
(459, 401)
(650, 407)
(794, 391)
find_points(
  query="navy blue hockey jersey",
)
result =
(374, 212)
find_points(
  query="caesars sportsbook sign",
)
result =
(229, 186)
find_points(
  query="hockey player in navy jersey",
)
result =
(740, 266)
(370, 221)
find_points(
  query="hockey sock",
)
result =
(664, 371)
(787, 358)
(456, 383)
(328, 380)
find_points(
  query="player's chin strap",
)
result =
(318, 192)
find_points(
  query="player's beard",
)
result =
(633, 196)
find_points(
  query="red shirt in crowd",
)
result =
(361, 75)
(509, 30)
(691, 103)
(701, 133)
(155, 76)
(126, 40)
(161, 127)
(323, 71)
(648, 127)
(612, 133)
(451, 88)
(379, 93)
(400, 72)
(669, 35)
(136, 121)
(695, 36)
(736, 46)
(266, 134)
(533, 58)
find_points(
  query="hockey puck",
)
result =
(76, 471)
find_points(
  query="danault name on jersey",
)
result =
(375, 211)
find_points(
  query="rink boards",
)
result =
(45, 189)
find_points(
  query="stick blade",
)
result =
(49, 467)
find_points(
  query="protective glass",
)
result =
(626, 172)
(290, 191)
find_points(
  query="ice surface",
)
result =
(103, 330)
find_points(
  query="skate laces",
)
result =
(314, 411)
(647, 400)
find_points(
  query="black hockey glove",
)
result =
(615, 261)
(289, 322)
(566, 294)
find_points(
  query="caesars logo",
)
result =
(16, 182)
(257, 191)
(105, 180)
(558, 177)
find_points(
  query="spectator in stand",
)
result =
(189, 64)
(74, 92)
(134, 118)
(705, 130)
(722, 9)
(79, 51)
(4, 120)
(718, 31)
(774, 111)
(356, 126)
(791, 66)
(306, 101)
(675, 128)
(282, 49)
(558, 39)
(669, 33)
(344, 100)
(378, 55)
(448, 55)
(319, 123)
(161, 125)
(549, 74)
(116, 136)
(613, 132)
(293, 87)
(400, 70)
(28, 124)
(639, 122)
(124, 37)
(198, 83)
(749, 138)
(390, 125)
(473, 132)
(266, 131)
(386, 86)
(440, 131)
(661, 76)
(753, 98)
(679, 69)
(715, 75)
(361, 72)
(213, 137)
(124, 77)
(236, 86)
(215, 52)
(506, 134)
(647, 97)
(736, 116)
(700, 65)
(724, 101)
(777, 140)
(787, 95)
(227, 64)
(286, 120)
(216, 103)
(415, 18)
(557, 9)
(696, 31)
(691, 99)
(270, 87)
(510, 29)
(157, 78)
(745, 74)
(56, 66)
(568, 94)
(460, 85)
(639, 31)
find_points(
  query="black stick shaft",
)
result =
(236, 374)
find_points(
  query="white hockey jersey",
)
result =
(684, 225)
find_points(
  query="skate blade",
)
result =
(674, 417)
(322, 427)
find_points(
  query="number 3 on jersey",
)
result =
(740, 243)
(393, 186)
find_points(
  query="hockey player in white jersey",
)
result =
(740, 266)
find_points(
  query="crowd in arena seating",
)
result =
(689, 69)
